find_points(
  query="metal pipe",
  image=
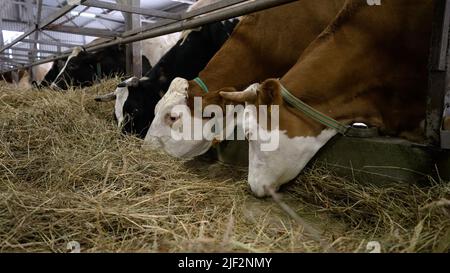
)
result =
(132, 9)
(217, 16)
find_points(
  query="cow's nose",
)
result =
(151, 143)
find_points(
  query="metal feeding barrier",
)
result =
(172, 22)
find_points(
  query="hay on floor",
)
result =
(67, 174)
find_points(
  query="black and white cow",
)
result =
(83, 68)
(136, 98)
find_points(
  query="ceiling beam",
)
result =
(49, 42)
(132, 9)
(13, 54)
(29, 50)
(49, 20)
(84, 31)
(11, 61)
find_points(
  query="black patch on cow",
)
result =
(87, 68)
(137, 117)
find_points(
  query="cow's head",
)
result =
(83, 68)
(186, 59)
(166, 121)
(268, 167)
(134, 104)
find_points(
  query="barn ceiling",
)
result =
(78, 26)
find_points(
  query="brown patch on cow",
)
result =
(9, 78)
(348, 11)
(263, 46)
(369, 66)
(210, 98)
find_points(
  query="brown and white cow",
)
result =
(263, 45)
(24, 80)
(369, 65)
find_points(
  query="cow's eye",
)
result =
(171, 119)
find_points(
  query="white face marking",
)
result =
(273, 169)
(160, 133)
(74, 54)
(186, 33)
(121, 97)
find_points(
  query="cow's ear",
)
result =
(269, 93)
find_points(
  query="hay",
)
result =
(67, 174)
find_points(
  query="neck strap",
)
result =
(313, 113)
(201, 84)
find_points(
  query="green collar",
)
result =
(343, 129)
(201, 84)
(313, 113)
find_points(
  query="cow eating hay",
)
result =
(67, 174)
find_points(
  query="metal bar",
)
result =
(211, 8)
(16, 59)
(218, 16)
(7, 60)
(188, 15)
(60, 13)
(13, 54)
(439, 59)
(437, 72)
(48, 42)
(28, 50)
(132, 9)
(52, 18)
(84, 31)
(39, 4)
(49, 36)
(133, 50)
(1, 24)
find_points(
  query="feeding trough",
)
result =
(377, 161)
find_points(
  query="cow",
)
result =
(22, 81)
(264, 44)
(136, 99)
(9, 77)
(369, 65)
(83, 68)
(39, 72)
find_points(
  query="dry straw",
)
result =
(67, 174)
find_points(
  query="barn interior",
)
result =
(68, 174)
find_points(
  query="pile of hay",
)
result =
(67, 174)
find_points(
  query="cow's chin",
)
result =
(185, 149)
